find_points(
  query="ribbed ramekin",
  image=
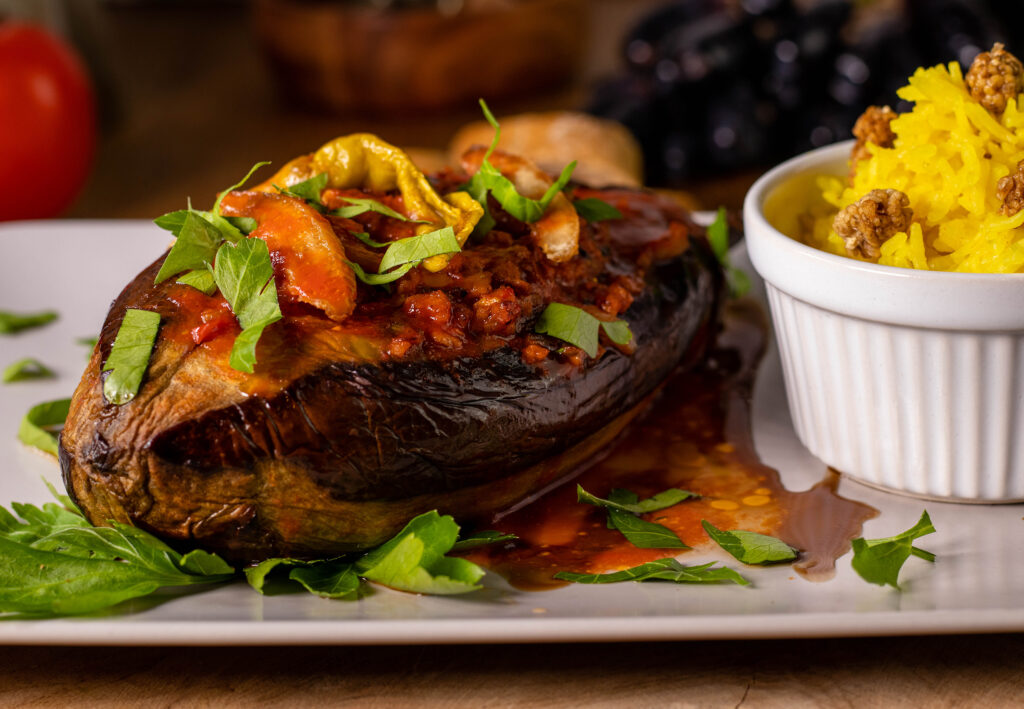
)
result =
(903, 379)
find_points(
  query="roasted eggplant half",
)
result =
(370, 403)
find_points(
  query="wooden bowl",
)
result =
(347, 57)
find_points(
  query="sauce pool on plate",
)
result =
(696, 436)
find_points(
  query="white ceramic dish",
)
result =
(909, 380)
(977, 584)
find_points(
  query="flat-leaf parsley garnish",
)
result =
(129, 355)
(402, 255)
(879, 561)
(718, 237)
(35, 428)
(623, 507)
(194, 248)
(56, 563)
(200, 278)
(661, 570)
(617, 500)
(414, 249)
(11, 323)
(482, 538)
(596, 210)
(413, 560)
(750, 547)
(578, 327)
(489, 180)
(231, 228)
(361, 205)
(329, 578)
(25, 369)
(245, 276)
(308, 190)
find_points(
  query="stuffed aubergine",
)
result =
(320, 358)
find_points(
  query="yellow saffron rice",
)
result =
(948, 155)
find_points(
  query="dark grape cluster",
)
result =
(713, 86)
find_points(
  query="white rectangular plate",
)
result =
(77, 268)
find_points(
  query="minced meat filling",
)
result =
(491, 293)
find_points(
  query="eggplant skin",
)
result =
(340, 458)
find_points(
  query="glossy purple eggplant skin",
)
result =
(342, 457)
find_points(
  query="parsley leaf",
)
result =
(750, 547)
(661, 570)
(578, 327)
(11, 323)
(379, 279)
(414, 559)
(201, 279)
(569, 323)
(229, 228)
(232, 188)
(404, 254)
(879, 561)
(330, 578)
(243, 352)
(620, 500)
(257, 575)
(245, 275)
(173, 221)
(477, 189)
(365, 238)
(24, 369)
(488, 179)
(495, 125)
(89, 342)
(643, 534)
(596, 210)
(308, 191)
(718, 237)
(403, 568)
(623, 507)
(618, 331)
(64, 500)
(55, 563)
(194, 248)
(246, 225)
(414, 249)
(241, 266)
(359, 205)
(33, 428)
(129, 355)
(483, 538)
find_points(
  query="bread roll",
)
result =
(606, 152)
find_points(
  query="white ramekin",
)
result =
(903, 379)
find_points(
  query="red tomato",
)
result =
(47, 123)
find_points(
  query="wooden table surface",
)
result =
(194, 110)
(931, 672)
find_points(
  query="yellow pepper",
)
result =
(364, 160)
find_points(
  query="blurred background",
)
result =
(119, 108)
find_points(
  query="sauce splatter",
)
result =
(696, 436)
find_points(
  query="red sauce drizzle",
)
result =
(697, 437)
